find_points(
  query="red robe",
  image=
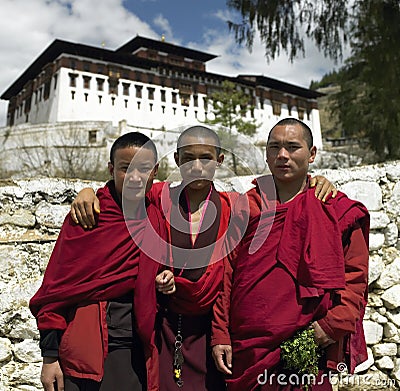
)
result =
(90, 267)
(196, 289)
(292, 278)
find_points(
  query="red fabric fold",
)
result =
(291, 278)
(104, 263)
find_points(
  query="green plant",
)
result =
(300, 354)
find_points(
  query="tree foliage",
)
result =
(369, 101)
(284, 24)
(230, 107)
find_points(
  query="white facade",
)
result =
(77, 95)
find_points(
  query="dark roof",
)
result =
(281, 86)
(120, 56)
(58, 47)
(162, 46)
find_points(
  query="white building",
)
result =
(150, 84)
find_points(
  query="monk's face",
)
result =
(197, 161)
(137, 178)
(288, 155)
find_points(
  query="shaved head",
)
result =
(200, 132)
(307, 133)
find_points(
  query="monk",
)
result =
(300, 263)
(96, 307)
(197, 217)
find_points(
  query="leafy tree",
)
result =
(331, 78)
(284, 24)
(230, 106)
(369, 101)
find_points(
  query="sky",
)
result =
(29, 26)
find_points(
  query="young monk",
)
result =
(96, 307)
(197, 216)
(300, 263)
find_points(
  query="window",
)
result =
(174, 109)
(100, 68)
(100, 84)
(73, 95)
(138, 91)
(276, 108)
(174, 95)
(125, 89)
(113, 86)
(86, 82)
(195, 100)
(185, 99)
(92, 136)
(150, 92)
(138, 105)
(86, 96)
(163, 109)
(185, 112)
(72, 79)
(86, 66)
(113, 100)
(300, 113)
(162, 95)
(151, 106)
(126, 103)
(100, 99)
(55, 80)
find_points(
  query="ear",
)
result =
(176, 157)
(313, 153)
(220, 159)
(155, 170)
(111, 169)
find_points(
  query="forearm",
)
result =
(342, 318)
(220, 323)
(50, 342)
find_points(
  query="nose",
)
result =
(197, 166)
(283, 153)
(134, 176)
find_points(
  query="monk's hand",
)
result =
(51, 376)
(222, 355)
(323, 187)
(321, 338)
(84, 207)
(165, 282)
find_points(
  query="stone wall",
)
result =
(32, 211)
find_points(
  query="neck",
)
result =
(288, 190)
(196, 197)
(134, 209)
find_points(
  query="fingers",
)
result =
(60, 383)
(96, 205)
(165, 282)
(51, 374)
(84, 207)
(228, 357)
(220, 352)
(323, 188)
(321, 338)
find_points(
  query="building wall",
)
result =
(68, 103)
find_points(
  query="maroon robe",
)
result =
(92, 266)
(291, 280)
(196, 289)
